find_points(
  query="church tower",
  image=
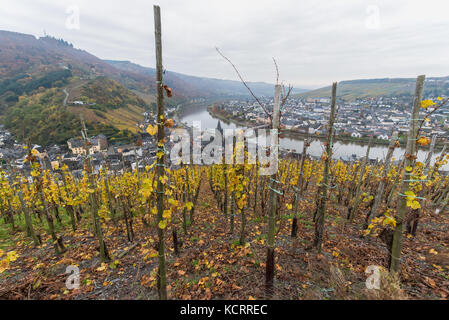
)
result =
(219, 128)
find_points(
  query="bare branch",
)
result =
(429, 114)
(284, 95)
(244, 83)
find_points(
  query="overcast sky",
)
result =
(315, 42)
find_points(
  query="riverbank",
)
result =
(293, 134)
(228, 120)
(296, 135)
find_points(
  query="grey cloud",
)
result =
(315, 42)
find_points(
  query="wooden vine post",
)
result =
(413, 221)
(409, 161)
(104, 254)
(29, 224)
(280, 97)
(299, 188)
(161, 151)
(430, 154)
(383, 179)
(358, 192)
(321, 209)
(273, 198)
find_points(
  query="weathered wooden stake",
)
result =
(355, 204)
(383, 179)
(273, 198)
(408, 162)
(430, 154)
(299, 188)
(321, 210)
(160, 159)
(104, 255)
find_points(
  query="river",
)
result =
(341, 149)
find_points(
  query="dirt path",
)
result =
(66, 96)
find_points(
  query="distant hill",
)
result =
(39, 77)
(371, 88)
(33, 76)
(22, 54)
(200, 86)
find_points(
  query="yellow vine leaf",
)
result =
(162, 224)
(102, 267)
(152, 130)
(12, 256)
(163, 179)
(427, 103)
(189, 205)
(166, 214)
(423, 141)
(413, 204)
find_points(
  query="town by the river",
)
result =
(342, 150)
